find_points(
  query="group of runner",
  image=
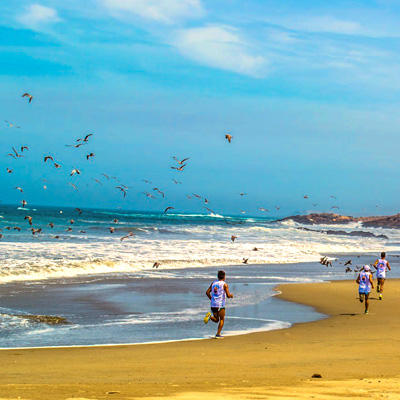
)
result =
(219, 291)
(366, 284)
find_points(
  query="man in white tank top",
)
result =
(217, 293)
(365, 283)
(381, 267)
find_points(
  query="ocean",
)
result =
(110, 293)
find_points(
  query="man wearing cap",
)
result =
(381, 267)
(365, 283)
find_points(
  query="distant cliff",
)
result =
(391, 221)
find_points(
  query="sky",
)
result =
(309, 91)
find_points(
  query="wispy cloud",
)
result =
(37, 16)
(165, 11)
(220, 47)
(323, 24)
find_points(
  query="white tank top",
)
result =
(365, 284)
(218, 295)
(381, 269)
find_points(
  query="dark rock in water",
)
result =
(317, 376)
(319, 219)
(43, 319)
(390, 222)
(344, 233)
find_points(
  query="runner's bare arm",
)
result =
(372, 282)
(358, 278)
(208, 293)
(389, 267)
(375, 264)
(228, 294)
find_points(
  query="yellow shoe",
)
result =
(207, 318)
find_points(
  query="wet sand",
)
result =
(357, 355)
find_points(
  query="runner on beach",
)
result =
(365, 283)
(381, 267)
(217, 293)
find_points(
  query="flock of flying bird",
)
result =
(180, 166)
(328, 263)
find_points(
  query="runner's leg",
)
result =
(221, 315)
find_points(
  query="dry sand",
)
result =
(357, 355)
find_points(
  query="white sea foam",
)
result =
(174, 246)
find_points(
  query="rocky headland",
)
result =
(390, 222)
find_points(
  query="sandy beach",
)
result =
(356, 354)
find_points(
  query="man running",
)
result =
(381, 267)
(364, 280)
(217, 293)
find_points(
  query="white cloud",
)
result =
(165, 11)
(323, 24)
(37, 15)
(220, 47)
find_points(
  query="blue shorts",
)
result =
(364, 292)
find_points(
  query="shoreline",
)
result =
(274, 363)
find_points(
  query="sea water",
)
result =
(110, 293)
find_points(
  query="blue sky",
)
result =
(309, 90)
